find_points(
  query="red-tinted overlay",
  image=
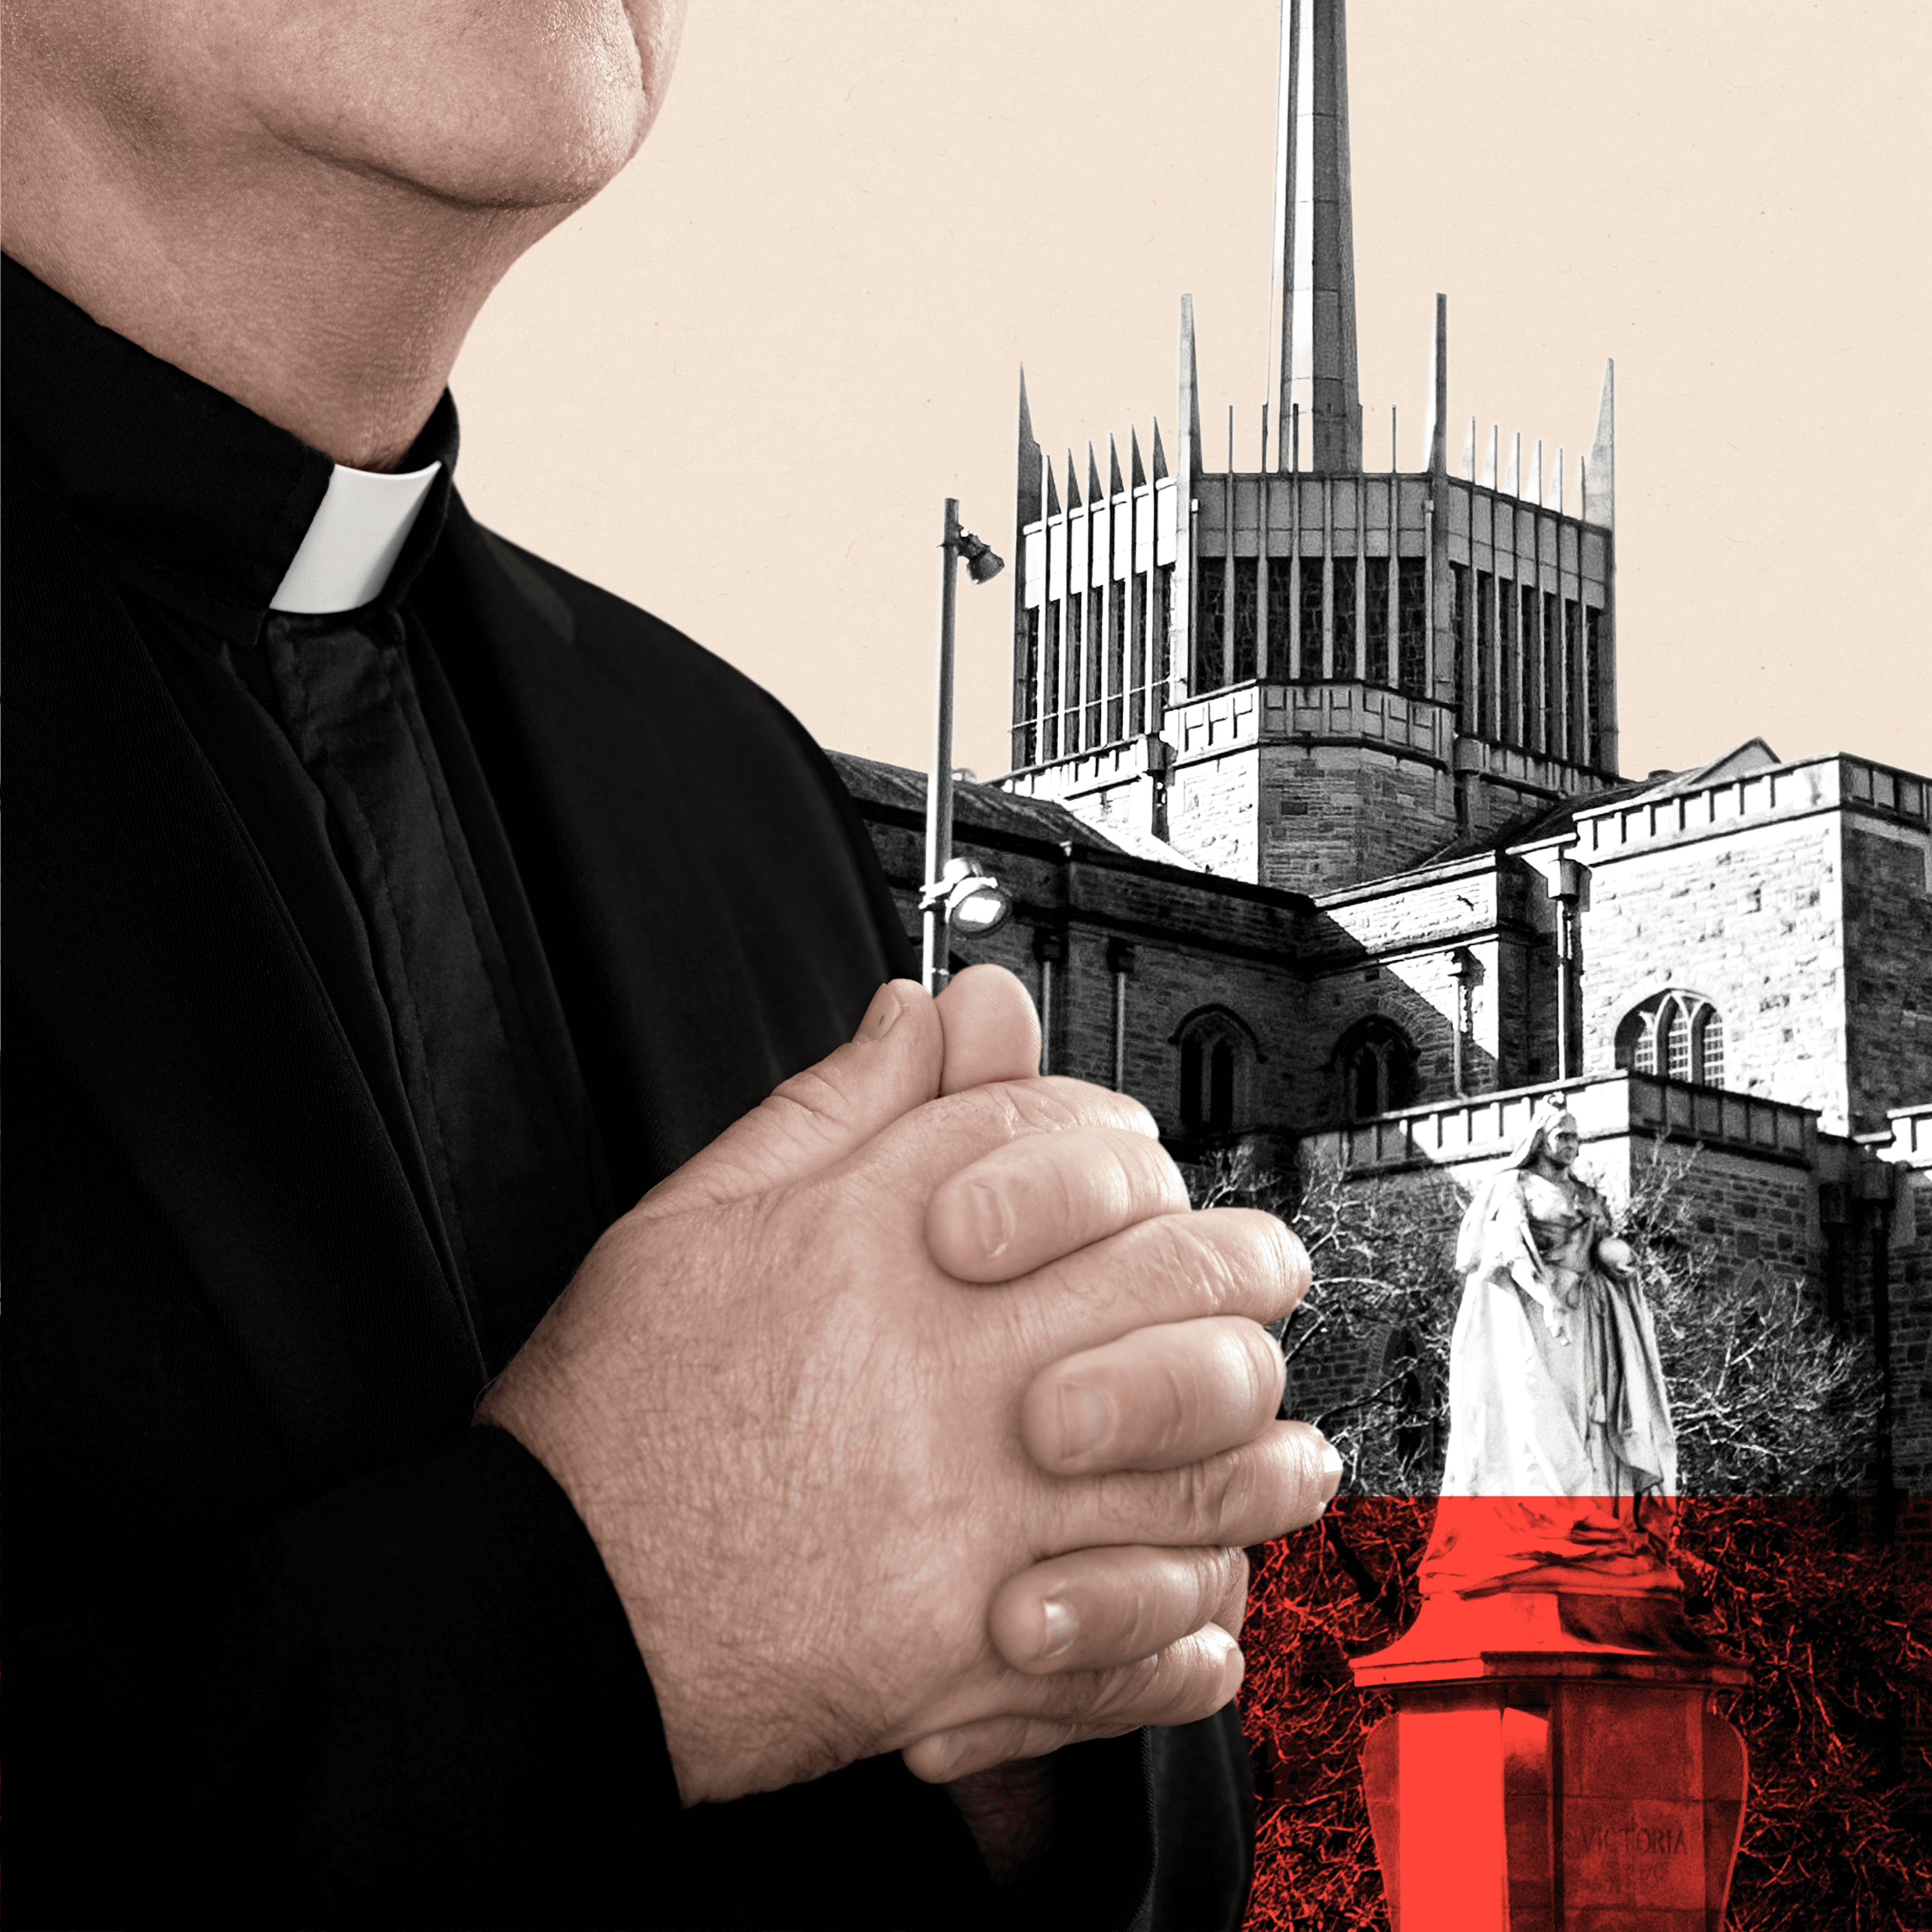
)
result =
(1824, 1602)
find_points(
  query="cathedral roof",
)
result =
(978, 808)
(1559, 820)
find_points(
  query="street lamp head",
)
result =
(975, 902)
(982, 565)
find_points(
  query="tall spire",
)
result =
(1189, 399)
(1438, 456)
(1027, 494)
(1314, 295)
(1599, 468)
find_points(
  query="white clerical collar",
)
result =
(357, 533)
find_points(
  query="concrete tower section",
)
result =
(1318, 404)
(1318, 673)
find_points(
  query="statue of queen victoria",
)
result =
(1559, 1421)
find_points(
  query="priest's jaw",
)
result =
(305, 207)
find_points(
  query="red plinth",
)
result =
(1553, 1765)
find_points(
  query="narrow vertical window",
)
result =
(1532, 670)
(1247, 638)
(1643, 1046)
(1221, 1087)
(1375, 619)
(1412, 641)
(1674, 1043)
(1595, 737)
(1050, 702)
(1136, 674)
(1117, 663)
(1214, 611)
(1711, 1073)
(1281, 615)
(1459, 618)
(1164, 631)
(1026, 736)
(1485, 654)
(1344, 626)
(1096, 660)
(1076, 668)
(1310, 620)
(1549, 685)
(1190, 1081)
(1572, 647)
(1511, 681)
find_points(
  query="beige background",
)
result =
(737, 387)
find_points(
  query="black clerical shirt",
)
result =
(341, 747)
(358, 968)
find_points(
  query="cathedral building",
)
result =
(1316, 837)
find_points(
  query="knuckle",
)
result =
(811, 1099)
(1050, 1105)
(992, 1111)
(1208, 1491)
(1118, 1174)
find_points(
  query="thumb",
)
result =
(891, 1065)
(992, 1030)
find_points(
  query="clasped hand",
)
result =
(919, 1412)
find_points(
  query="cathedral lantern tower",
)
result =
(1321, 672)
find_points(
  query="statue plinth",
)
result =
(1553, 1764)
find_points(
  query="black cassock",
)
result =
(357, 972)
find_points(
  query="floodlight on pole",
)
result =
(953, 885)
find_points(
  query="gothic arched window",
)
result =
(1377, 1066)
(1676, 1034)
(1218, 1057)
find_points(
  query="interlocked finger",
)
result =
(1093, 1609)
(1282, 1481)
(933, 1143)
(1033, 1200)
(1166, 1268)
(1189, 1679)
(1155, 1399)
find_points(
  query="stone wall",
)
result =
(1752, 918)
(1333, 815)
(1888, 954)
(1392, 947)
(1762, 1215)
(1911, 1269)
(1212, 814)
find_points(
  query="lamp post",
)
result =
(953, 886)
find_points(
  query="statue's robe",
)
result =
(1562, 1459)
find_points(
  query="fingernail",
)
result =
(993, 1215)
(1233, 1650)
(1331, 1472)
(1085, 1417)
(1062, 1627)
(952, 1752)
(880, 1016)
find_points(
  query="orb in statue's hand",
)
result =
(1615, 1254)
